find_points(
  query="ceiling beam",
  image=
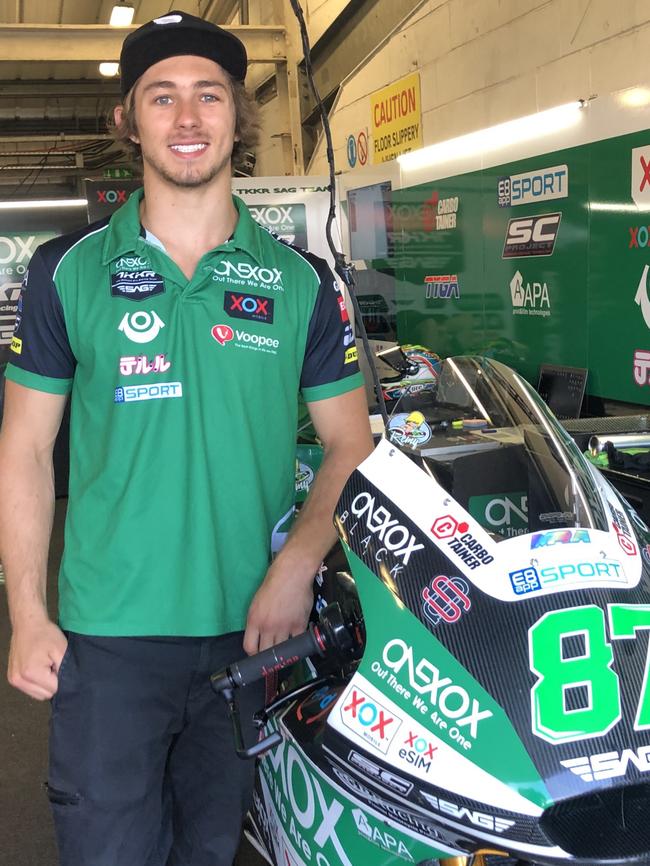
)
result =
(96, 42)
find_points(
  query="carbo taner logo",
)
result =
(252, 307)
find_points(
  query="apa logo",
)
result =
(252, 307)
(446, 599)
(141, 327)
(529, 299)
(641, 297)
(369, 719)
(380, 836)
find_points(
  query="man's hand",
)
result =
(35, 656)
(280, 607)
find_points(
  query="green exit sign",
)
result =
(118, 173)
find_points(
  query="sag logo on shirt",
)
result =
(141, 327)
(136, 285)
(252, 307)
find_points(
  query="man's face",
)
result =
(185, 119)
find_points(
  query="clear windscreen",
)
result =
(491, 442)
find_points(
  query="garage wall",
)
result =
(482, 62)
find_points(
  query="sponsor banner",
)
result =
(240, 339)
(639, 237)
(425, 746)
(439, 214)
(533, 186)
(105, 196)
(640, 175)
(641, 298)
(409, 429)
(445, 599)
(443, 286)
(503, 513)
(290, 206)
(641, 367)
(141, 327)
(396, 119)
(529, 299)
(153, 391)
(16, 250)
(413, 510)
(137, 285)
(609, 765)
(255, 308)
(287, 221)
(310, 819)
(140, 365)
(531, 236)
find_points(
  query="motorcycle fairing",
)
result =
(304, 816)
(487, 631)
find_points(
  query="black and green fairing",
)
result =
(513, 662)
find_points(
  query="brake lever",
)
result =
(258, 748)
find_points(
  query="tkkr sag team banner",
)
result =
(294, 208)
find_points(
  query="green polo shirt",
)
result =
(183, 415)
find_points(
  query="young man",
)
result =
(184, 333)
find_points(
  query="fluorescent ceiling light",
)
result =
(494, 137)
(38, 203)
(109, 70)
(635, 97)
(618, 207)
(121, 15)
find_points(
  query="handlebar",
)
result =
(331, 633)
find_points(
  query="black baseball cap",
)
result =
(175, 34)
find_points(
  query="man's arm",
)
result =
(282, 604)
(30, 423)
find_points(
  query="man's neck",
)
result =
(188, 222)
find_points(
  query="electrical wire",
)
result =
(344, 269)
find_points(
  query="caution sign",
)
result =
(396, 116)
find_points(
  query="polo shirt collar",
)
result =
(124, 234)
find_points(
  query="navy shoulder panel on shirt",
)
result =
(52, 251)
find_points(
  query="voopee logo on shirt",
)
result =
(241, 339)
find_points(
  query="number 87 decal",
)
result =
(577, 693)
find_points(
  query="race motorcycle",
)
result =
(476, 687)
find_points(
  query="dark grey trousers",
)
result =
(143, 770)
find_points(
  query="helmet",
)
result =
(417, 370)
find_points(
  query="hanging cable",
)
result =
(344, 269)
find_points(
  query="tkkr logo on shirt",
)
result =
(250, 273)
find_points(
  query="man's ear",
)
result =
(118, 117)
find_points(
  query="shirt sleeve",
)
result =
(330, 365)
(41, 354)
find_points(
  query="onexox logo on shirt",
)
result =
(252, 307)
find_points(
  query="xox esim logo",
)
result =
(222, 334)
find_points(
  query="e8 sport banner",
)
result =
(16, 249)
